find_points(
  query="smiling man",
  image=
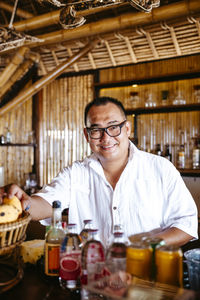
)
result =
(118, 184)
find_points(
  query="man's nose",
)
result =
(105, 135)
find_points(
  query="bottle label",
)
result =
(52, 252)
(181, 160)
(196, 157)
(70, 266)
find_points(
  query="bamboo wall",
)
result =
(17, 160)
(61, 139)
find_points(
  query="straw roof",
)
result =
(126, 35)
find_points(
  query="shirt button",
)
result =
(114, 207)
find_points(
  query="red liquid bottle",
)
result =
(70, 259)
(92, 257)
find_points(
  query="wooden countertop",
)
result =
(34, 287)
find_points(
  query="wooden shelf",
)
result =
(190, 172)
(18, 145)
(163, 109)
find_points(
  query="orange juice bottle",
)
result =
(169, 265)
(139, 260)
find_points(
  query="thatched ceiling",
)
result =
(126, 35)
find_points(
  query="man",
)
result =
(118, 184)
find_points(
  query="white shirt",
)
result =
(150, 194)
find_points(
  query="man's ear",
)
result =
(86, 134)
(128, 128)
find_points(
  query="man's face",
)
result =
(108, 148)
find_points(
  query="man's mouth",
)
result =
(107, 147)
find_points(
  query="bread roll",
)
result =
(10, 210)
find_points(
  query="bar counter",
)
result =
(34, 287)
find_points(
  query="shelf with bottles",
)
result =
(174, 136)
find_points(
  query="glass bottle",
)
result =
(84, 234)
(70, 259)
(92, 258)
(53, 240)
(158, 150)
(65, 214)
(116, 254)
(181, 157)
(167, 153)
(196, 154)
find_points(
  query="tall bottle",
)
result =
(84, 234)
(53, 240)
(116, 254)
(181, 157)
(196, 154)
(70, 259)
(92, 258)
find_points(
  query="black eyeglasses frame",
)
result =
(105, 129)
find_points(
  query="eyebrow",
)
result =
(111, 122)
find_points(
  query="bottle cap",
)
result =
(56, 204)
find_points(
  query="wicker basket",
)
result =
(13, 233)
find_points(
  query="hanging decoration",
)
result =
(68, 18)
(11, 38)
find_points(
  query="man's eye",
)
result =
(113, 127)
(95, 130)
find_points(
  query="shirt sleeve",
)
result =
(58, 189)
(180, 209)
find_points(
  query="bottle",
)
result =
(181, 157)
(8, 136)
(196, 154)
(158, 150)
(167, 153)
(65, 214)
(116, 254)
(92, 258)
(53, 239)
(70, 260)
(84, 234)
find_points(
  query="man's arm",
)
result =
(174, 236)
(37, 207)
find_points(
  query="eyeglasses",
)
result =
(112, 130)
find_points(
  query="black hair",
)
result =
(103, 101)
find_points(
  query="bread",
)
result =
(31, 251)
(10, 210)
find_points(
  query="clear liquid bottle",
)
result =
(92, 258)
(84, 234)
(53, 239)
(70, 260)
(181, 157)
(196, 154)
(116, 254)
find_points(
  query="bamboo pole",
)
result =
(38, 85)
(128, 20)
(32, 57)
(51, 18)
(19, 12)
(11, 68)
(19, 72)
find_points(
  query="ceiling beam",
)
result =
(25, 94)
(128, 20)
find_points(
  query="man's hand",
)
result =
(12, 190)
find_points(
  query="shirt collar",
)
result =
(94, 163)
